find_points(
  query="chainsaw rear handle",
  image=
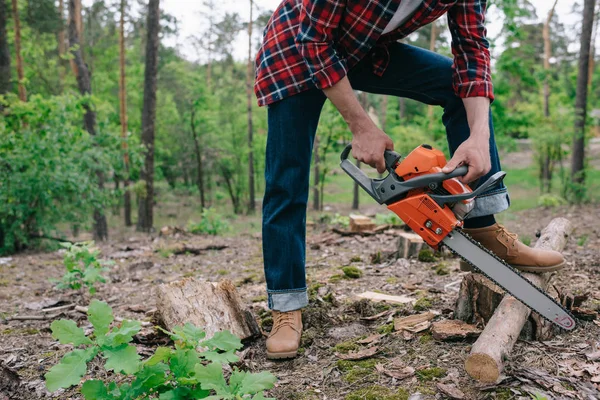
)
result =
(389, 189)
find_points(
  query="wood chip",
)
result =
(451, 330)
(359, 355)
(377, 316)
(395, 371)
(407, 323)
(420, 327)
(379, 297)
(373, 339)
(451, 391)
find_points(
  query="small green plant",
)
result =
(550, 201)
(179, 373)
(423, 304)
(352, 272)
(388, 219)
(442, 269)
(84, 269)
(211, 223)
(582, 240)
(340, 220)
(429, 374)
(526, 240)
(426, 255)
(538, 396)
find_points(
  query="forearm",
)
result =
(478, 116)
(343, 98)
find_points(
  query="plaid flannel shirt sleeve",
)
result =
(472, 70)
(319, 22)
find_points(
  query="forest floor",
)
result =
(334, 321)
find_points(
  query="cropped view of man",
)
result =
(314, 50)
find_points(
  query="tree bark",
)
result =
(5, 73)
(198, 150)
(592, 65)
(20, 69)
(316, 175)
(486, 360)
(62, 44)
(124, 122)
(249, 81)
(89, 119)
(145, 209)
(578, 157)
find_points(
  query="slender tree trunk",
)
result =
(5, 73)
(89, 119)
(198, 149)
(20, 70)
(546, 168)
(249, 81)
(316, 175)
(62, 44)
(592, 65)
(578, 157)
(145, 209)
(432, 41)
(124, 122)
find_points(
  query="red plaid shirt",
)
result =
(313, 43)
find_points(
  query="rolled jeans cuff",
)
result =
(490, 203)
(287, 300)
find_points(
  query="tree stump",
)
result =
(360, 223)
(212, 307)
(409, 245)
(504, 316)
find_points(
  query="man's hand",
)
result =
(475, 151)
(368, 142)
(369, 145)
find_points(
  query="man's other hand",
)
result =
(475, 153)
(369, 146)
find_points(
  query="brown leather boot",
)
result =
(284, 340)
(507, 246)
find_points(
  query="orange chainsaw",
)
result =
(434, 205)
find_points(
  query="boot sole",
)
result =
(282, 356)
(465, 267)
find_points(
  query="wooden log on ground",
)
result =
(486, 360)
(409, 244)
(360, 223)
(212, 307)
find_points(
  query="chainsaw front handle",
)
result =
(390, 189)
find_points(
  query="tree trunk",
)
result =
(316, 175)
(5, 74)
(432, 41)
(62, 44)
(89, 119)
(578, 157)
(486, 360)
(124, 128)
(383, 112)
(249, 81)
(145, 215)
(546, 169)
(20, 70)
(592, 65)
(198, 150)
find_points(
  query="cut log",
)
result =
(486, 360)
(212, 307)
(454, 330)
(477, 300)
(360, 223)
(409, 245)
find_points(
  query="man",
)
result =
(315, 50)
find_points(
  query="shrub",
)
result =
(83, 267)
(179, 373)
(551, 201)
(212, 223)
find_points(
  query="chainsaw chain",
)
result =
(501, 261)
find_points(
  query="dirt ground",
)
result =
(334, 322)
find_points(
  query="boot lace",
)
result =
(508, 237)
(283, 319)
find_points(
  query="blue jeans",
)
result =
(414, 73)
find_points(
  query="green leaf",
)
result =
(70, 369)
(261, 396)
(123, 334)
(101, 316)
(183, 362)
(254, 383)
(95, 390)
(149, 377)
(162, 354)
(122, 359)
(211, 377)
(222, 358)
(180, 393)
(225, 341)
(189, 335)
(67, 332)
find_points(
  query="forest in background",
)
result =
(100, 118)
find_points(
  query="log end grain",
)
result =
(483, 367)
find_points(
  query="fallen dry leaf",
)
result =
(359, 355)
(377, 316)
(405, 323)
(420, 327)
(394, 371)
(593, 356)
(373, 339)
(451, 391)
